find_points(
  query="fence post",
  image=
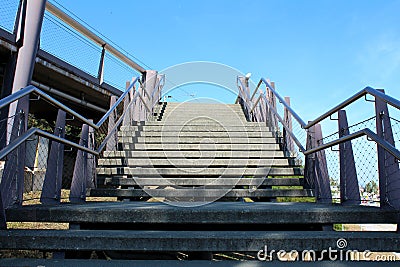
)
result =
(316, 169)
(3, 224)
(112, 142)
(79, 179)
(321, 169)
(91, 177)
(127, 119)
(12, 181)
(388, 166)
(349, 187)
(51, 192)
(288, 120)
(309, 173)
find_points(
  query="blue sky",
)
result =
(318, 52)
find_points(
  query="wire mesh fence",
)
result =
(62, 41)
(116, 72)
(8, 14)
(359, 167)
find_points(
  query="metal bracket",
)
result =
(71, 119)
(333, 119)
(368, 100)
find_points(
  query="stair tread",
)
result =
(211, 213)
(137, 240)
(199, 181)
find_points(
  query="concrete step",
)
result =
(196, 134)
(235, 154)
(201, 147)
(123, 240)
(196, 128)
(201, 193)
(179, 162)
(120, 181)
(197, 140)
(225, 172)
(215, 213)
(206, 122)
(169, 263)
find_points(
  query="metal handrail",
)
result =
(367, 90)
(92, 36)
(35, 131)
(299, 145)
(120, 99)
(381, 142)
(282, 100)
(32, 89)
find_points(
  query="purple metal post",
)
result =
(91, 177)
(12, 182)
(309, 173)
(79, 178)
(349, 187)
(388, 166)
(51, 193)
(113, 141)
(321, 170)
(3, 224)
(127, 119)
(288, 121)
(31, 18)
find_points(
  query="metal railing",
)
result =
(343, 166)
(99, 136)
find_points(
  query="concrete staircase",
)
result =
(220, 178)
(199, 152)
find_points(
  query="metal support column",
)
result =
(349, 187)
(51, 193)
(79, 178)
(100, 73)
(388, 166)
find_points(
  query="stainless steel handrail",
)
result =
(92, 36)
(35, 131)
(282, 100)
(367, 90)
(120, 99)
(32, 89)
(388, 147)
(300, 146)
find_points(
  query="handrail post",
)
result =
(316, 169)
(91, 177)
(321, 169)
(51, 192)
(79, 179)
(3, 223)
(150, 84)
(112, 142)
(288, 120)
(127, 119)
(388, 166)
(12, 181)
(309, 173)
(100, 73)
(349, 187)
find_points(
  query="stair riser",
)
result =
(193, 154)
(231, 172)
